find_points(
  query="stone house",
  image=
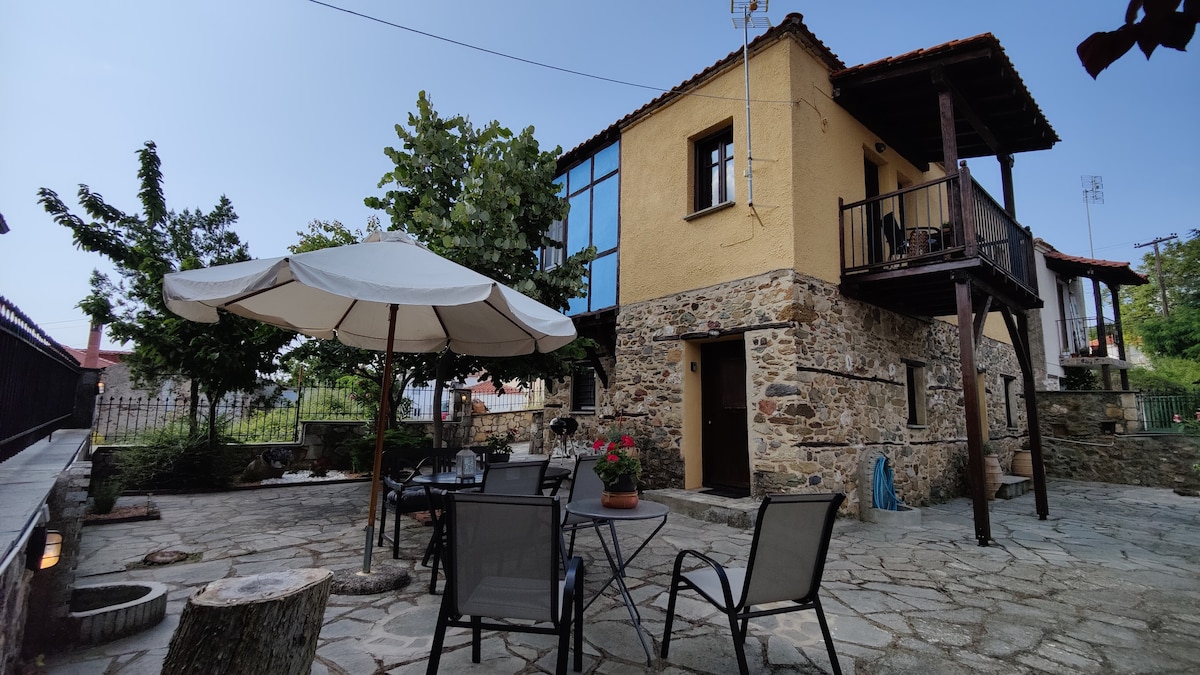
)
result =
(787, 247)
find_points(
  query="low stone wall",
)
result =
(1093, 436)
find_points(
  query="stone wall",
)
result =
(826, 382)
(14, 605)
(1093, 436)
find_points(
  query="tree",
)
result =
(484, 198)
(216, 359)
(1162, 23)
(1172, 332)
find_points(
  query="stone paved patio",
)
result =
(1109, 584)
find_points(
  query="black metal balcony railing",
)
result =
(1077, 337)
(931, 223)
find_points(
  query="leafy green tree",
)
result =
(484, 198)
(1177, 332)
(215, 359)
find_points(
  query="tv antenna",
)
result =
(744, 17)
(1093, 193)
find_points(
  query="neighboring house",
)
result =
(774, 325)
(1071, 337)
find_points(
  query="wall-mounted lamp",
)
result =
(880, 146)
(693, 366)
(100, 387)
(714, 333)
(43, 550)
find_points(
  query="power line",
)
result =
(665, 90)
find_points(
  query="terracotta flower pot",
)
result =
(992, 475)
(620, 494)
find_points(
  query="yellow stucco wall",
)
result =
(807, 151)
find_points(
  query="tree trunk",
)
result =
(265, 623)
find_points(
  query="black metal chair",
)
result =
(585, 484)
(503, 557)
(787, 559)
(400, 497)
(508, 478)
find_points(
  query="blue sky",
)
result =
(285, 106)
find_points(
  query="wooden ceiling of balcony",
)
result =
(897, 98)
(927, 288)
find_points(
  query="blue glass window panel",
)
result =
(577, 305)
(579, 177)
(604, 282)
(604, 214)
(607, 160)
(577, 223)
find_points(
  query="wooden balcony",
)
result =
(904, 250)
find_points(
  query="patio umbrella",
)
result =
(387, 293)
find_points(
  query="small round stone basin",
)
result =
(104, 612)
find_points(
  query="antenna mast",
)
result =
(744, 17)
(1093, 193)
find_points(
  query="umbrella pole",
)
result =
(380, 427)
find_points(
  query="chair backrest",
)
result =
(515, 478)
(503, 556)
(791, 539)
(585, 484)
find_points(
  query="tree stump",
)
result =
(265, 623)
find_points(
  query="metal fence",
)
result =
(38, 381)
(277, 417)
(1160, 413)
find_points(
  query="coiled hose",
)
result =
(883, 490)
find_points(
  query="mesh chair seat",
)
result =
(502, 562)
(787, 560)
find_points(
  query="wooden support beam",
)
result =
(1018, 330)
(980, 319)
(971, 409)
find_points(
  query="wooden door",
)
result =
(725, 451)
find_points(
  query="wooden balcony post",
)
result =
(1119, 332)
(966, 211)
(976, 477)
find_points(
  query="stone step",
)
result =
(739, 513)
(1013, 486)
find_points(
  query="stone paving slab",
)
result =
(1110, 583)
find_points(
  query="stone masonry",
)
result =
(826, 383)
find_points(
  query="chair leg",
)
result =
(837, 670)
(439, 638)
(396, 537)
(579, 622)
(476, 639)
(571, 546)
(564, 646)
(666, 641)
(738, 645)
(383, 518)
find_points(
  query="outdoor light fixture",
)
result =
(880, 147)
(100, 387)
(43, 550)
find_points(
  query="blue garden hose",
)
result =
(884, 492)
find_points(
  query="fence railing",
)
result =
(276, 418)
(1162, 413)
(38, 379)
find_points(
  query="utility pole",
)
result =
(1158, 268)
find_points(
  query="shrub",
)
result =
(172, 459)
(104, 495)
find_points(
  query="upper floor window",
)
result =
(583, 388)
(714, 169)
(591, 188)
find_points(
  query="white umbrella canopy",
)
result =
(388, 289)
(344, 292)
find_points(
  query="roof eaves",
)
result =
(792, 24)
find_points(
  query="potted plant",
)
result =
(499, 446)
(619, 469)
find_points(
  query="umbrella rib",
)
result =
(252, 294)
(337, 326)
